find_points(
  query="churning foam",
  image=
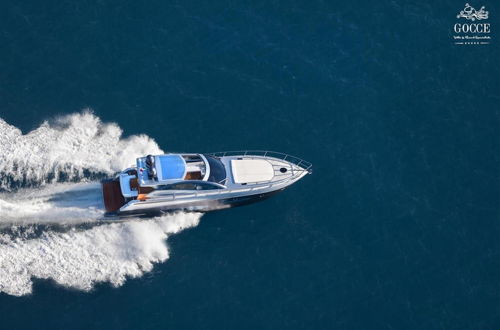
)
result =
(82, 258)
(72, 148)
(67, 148)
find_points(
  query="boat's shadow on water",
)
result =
(58, 207)
(32, 230)
(83, 197)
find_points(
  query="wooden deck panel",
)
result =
(113, 198)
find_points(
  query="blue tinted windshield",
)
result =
(217, 170)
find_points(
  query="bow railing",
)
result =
(266, 153)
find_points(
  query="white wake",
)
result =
(81, 258)
(55, 231)
(67, 148)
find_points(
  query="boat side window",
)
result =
(206, 186)
(188, 186)
(177, 186)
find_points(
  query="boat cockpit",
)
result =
(155, 170)
(172, 172)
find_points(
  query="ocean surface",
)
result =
(398, 227)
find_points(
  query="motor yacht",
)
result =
(200, 182)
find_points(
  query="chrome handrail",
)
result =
(266, 153)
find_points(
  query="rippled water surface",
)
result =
(397, 228)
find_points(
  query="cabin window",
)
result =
(188, 186)
(206, 186)
(177, 186)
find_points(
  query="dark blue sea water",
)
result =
(397, 228)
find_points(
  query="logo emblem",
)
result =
(472, 14)
(475, 30)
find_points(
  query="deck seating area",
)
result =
(134, 185)
(193, 176)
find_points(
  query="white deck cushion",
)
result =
(251, 170)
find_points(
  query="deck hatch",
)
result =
(251, 170)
